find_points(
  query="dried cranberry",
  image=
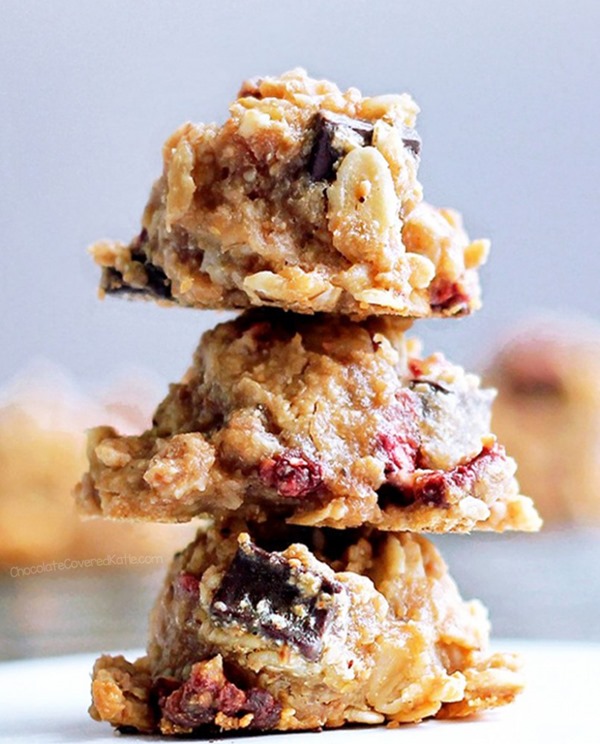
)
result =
(191, 705)
(449, 296)
(400, 441)
(230, 699)
(400, 450)
(292, 473)
(415, 367)
(187, 585)
(207, 692)
(432, 487)
(265, 708)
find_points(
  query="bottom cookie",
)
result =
(294, 628)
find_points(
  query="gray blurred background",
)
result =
(89, 90)
(510, 104)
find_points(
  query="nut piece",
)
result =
(303, 289)
(181, 184)
(364, 210)
(401, 155)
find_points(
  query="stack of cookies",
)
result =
(310, 433)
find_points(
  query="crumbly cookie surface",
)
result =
(319, 420)
(262, 633)
(305, 199)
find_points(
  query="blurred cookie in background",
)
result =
(547, 413)
(43, 418)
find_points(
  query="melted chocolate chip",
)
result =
(326, 543)
(159, 285)
(268, 596)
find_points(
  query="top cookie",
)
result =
(306, 199)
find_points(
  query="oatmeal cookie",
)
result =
(321, 420)
(265, 632)
(306, 199)
(42, 455)
(548, 413)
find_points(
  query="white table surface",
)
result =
(43, 701)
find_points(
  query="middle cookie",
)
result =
(320, 420)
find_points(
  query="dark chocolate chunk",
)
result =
(333, 135)
(434, 386)
(430, 489)
(325, 543)
(266, 595)
(389, 495)
(157, 285)
(330, 131)
(411, 140)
